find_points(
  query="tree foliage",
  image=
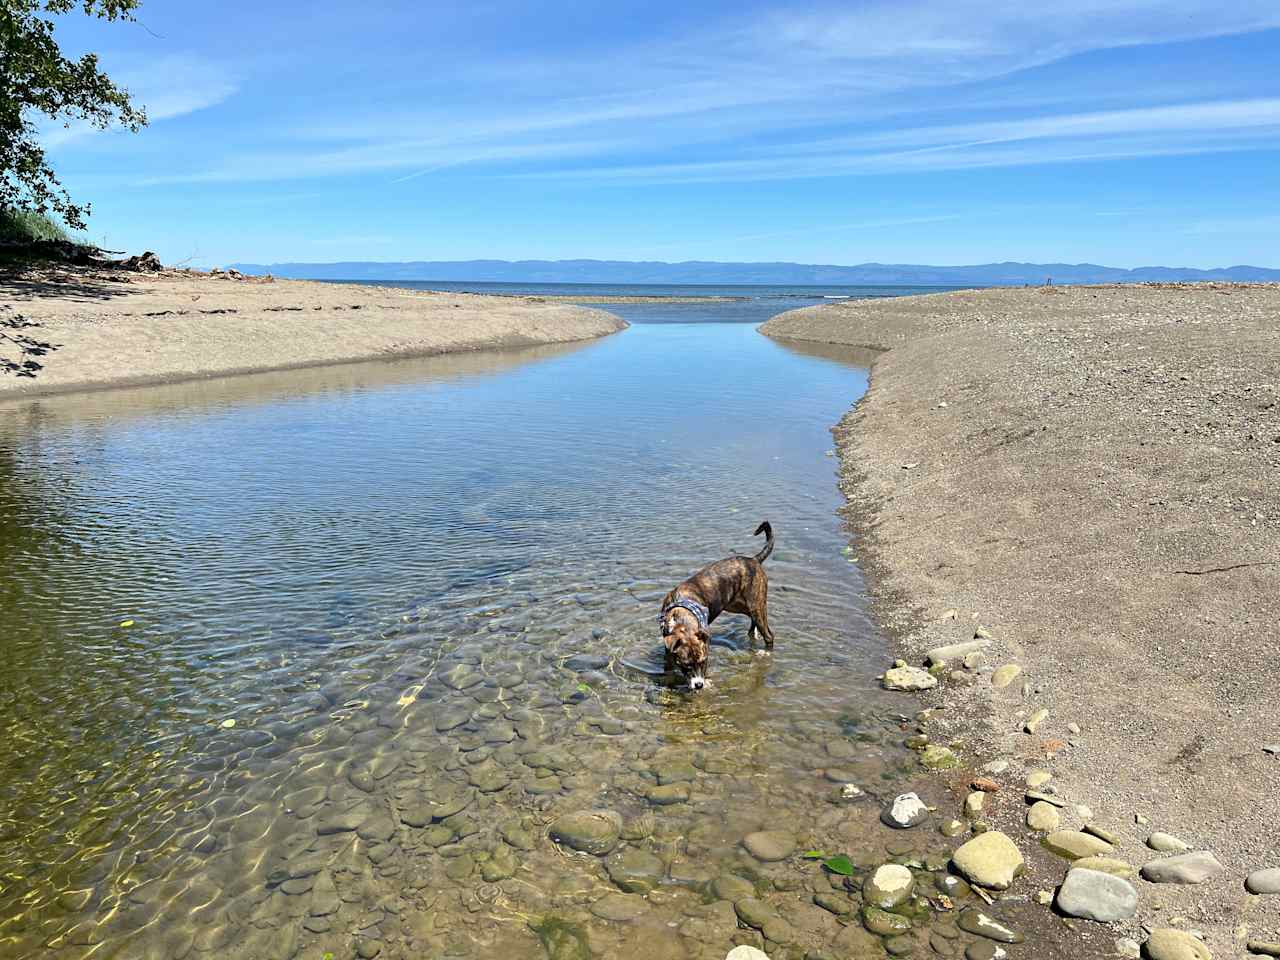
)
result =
(37, 79)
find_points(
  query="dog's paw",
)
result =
(764, 653)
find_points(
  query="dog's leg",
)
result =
(761, 619)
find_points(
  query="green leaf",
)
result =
(839, 864)
(583, 688)
(814, 855)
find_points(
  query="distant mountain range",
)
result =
(710, 272)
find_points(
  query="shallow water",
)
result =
(387, 622)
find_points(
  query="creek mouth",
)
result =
(314, 663)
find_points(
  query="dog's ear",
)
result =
(704, 638)
(669, 641)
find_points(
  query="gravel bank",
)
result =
(1090, 473)
(112, 328)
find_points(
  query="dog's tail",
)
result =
(767, 530)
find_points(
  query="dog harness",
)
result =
(700, 613)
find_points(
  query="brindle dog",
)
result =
(736, 584)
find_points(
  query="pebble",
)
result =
(974, 803)
(1034, 796)
(1102, 833)
(634, 870)
(1043, 816)
(770, 845)
(1272, 748)
(667, 794)
(1169, 944)
(1128, 948)
(620, 907)
(1072, 844)
(1034, 721)
(888, 887)
(1185, 868)
(956, 651)
(727, 886)
(952, 828)
(985, 950)
(1264, 948)
(883, 923)
(983, 925)
(1262, 882)
(990, 860)
(754, 913)
(591, 831)
(907, 810)
(1166, 843)
(746, 952)
(1001, 677)
(1038, 778)
(908, 679)
(1093, 895)
(939, 758)
(996, 766)
(1117, 868)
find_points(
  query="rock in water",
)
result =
(1262, 882)
(908, 678)
(888, 887)
(591, 831)
(620, 907)
(989, 860)
(746, 952)
(984, 925)
(906, 811)
(770, 845)
(1093, 895)
(1169, 944)
(1186, 868)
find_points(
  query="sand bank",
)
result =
(1091, 474)
(112, 328)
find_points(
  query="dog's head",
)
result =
(689, 645)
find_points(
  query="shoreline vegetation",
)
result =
(1077, 484)
(91, 328)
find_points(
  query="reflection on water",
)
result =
(307, 663)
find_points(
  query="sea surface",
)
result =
(314, 664)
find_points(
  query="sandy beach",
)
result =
(1089, 475)
(117, 328)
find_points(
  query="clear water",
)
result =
(742, 291)
(253, 628)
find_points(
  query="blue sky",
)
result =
(1124, 132)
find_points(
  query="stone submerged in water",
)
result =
(907, 810)
(620, 907)
(746, 952)
(770, 845)
(984, 925)
(634, 870)
(1093, 895)
(1263, 882)
(989, 860)
(1186, 868)
(909, 679)
(590, 831)
(1169, 944)
(985, 950)
(888, 887)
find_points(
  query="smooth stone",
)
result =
(1185, 868)
(888, 887)
(996, 766)
(746, 952)
(1072, 844)
(900, 946)
(1128, 948)
(590, 831)
(753, 912)
(620, 907)
(667, 794)
(1264, 948)
(1102, 833)
(341, 822)
(729, 887)
(985, 950)
(678, 772)
(1035, 796)
(1166, 843)
(1170, 944)
(909, 679)
(984, 925)
(1038, 778)
(324, 896)
(1117, 868)
(956, 651)
(835, 903)
(907, 810)
(974, 803)
(500, 865)
(451, 718)
(1034, 721)
(1263, 882)
(770, 845)
(1001, 677)
(990, 860)
(939, 758)
(634, 870)
(952, 828)
(1093, 895)
(883, 923)
(1043, 816)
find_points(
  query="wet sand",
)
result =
(114, 328)
(1090, 474)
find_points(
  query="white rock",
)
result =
(745, 952)
(908, 678)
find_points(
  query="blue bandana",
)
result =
(699, 612)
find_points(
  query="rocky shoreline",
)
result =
(1070, 491)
